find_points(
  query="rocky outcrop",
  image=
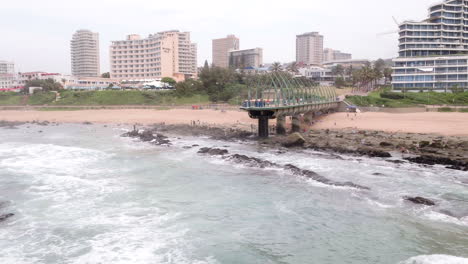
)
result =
(148, 136)
(433, 160)
(252, 162)
(374, 153)
(4, 217)
(213, 151)
(419, 200)
(316, 177)
(294, 140)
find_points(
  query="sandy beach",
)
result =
(449, 124)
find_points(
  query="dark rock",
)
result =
(378, 174)
(375, 153)
(195, 145)
(423, 144)
(316, 177)
(87, 123)
(213, 151)
(251, 161)
(433, 160)
(187, 147)
(420, 200)
(385, 144)
(294, 140)
(437, 144)
(148, 136)
(4, 217)
(396, 161)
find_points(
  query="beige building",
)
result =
(249, 58)
(309, 48)
(85, 57)
(221, 49)
(165, 54)
(335, 55)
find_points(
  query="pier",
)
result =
(280, 95)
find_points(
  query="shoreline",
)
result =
(425, 149)
(445, 124)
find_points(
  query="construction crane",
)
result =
(390, 32)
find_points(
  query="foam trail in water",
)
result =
(435, 259)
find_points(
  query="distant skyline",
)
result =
(37, 34)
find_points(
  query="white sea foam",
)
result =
(435, 259)
(36, 158)
(436, 216)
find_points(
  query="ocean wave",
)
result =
(34, 158)
(440, 217)
(435, 259)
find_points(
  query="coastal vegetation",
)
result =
(384, 97)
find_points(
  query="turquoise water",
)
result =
(82, 194)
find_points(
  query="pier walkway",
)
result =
(279, 95)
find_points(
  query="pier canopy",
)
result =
(282, 90)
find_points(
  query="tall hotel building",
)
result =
(221, 49)
(165, 54)
(85, 57)
(434, 53)
(309, 48)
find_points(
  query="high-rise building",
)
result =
(309, 48)
(249, 58)
(335, 55)
(433, 53)
(85, 57)
(165, 54)
(221, 49)
(7, 67)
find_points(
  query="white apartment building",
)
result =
(434, 53)
(309, 49)
(85, 59)
(7, 67)
(165, 54)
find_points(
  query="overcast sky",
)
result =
(36, 33)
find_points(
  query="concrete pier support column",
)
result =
(296, 123)
(309, 117)
(281, 125)
(263, 127)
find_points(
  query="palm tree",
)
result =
(276, 67)
(293, 67)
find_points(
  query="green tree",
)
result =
(47, 85)
(169, 81)
(276, 67)
(380, 65)
(338, 70)
(188, 88)
(340, 82)
(105, 75)
(388, 74)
